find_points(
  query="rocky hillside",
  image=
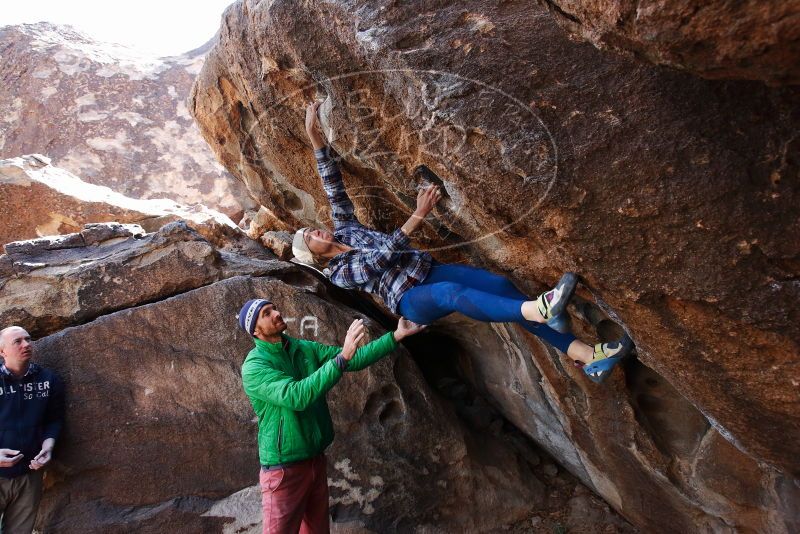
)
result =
(47, 200)
(676, 198)
(109, 115)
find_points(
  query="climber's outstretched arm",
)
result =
(342, 210)
(341, 205)
(312, 126)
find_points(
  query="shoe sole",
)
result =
(561, 323)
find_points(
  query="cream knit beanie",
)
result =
(300, 249)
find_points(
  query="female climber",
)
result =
(422, 290)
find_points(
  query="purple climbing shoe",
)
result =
(552, 303)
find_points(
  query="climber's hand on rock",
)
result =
(354, 336)
(312, 120)
(407, 328)
(312, 126)
(427, 199)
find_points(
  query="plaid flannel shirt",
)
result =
(379, 263)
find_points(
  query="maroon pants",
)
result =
(295, 498)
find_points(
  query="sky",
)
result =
(160, 27)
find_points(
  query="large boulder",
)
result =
(161, 438)
(108, 114)
(676, 198)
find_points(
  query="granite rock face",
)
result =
(716, 39)
(161, 438)
(109, 115)
(676, 199)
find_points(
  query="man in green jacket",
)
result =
(286, 380)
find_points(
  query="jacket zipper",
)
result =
(280, 435)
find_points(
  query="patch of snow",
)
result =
(43, 73)
(75, 52)
(82, 161)
(92, 115)
(182, 111)
(89, 99)
(12, 115)
(37, 168)
(119, 143)
(193, 65)
(183, 151)
(133, 118)
(70, 63)
(167, 138)
(47, 92)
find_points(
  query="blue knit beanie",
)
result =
(248, 316)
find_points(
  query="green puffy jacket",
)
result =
(287, 382)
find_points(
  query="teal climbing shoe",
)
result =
(606, 357)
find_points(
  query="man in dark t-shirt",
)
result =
(31, 417)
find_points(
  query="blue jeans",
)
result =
(476, 293)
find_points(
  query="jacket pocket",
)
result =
(280, 435)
